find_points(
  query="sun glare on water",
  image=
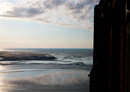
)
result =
(1, 49)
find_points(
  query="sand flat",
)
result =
(44, 78)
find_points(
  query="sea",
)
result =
(64, 56)
(68, 73)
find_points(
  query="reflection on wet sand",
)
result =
(43, 80)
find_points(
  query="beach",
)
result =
(43, 75)
(44, 78)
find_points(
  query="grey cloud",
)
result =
(82, 17)
(24, 12)
(82, 14)
(35, 8)
(81, 4)
(86, 10)
(51, 4)
(90, 1)
(72, 6)
(42, 20)
(48, 11)
(32, 11)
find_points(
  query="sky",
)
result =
(46, 23)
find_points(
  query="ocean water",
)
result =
(64, 56)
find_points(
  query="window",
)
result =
(46, 45)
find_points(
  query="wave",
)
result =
(63, 57)
(42, 62)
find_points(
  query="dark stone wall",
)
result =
(110, 72)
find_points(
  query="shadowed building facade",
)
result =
(111, 66)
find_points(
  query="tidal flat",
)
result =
(44, 78)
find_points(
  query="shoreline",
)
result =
(47, 66)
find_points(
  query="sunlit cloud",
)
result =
(68, 13)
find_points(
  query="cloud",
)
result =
(23, 12)
(52, 4)
(69, 13)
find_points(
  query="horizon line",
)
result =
(47, 48)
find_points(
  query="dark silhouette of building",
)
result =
(111, 66)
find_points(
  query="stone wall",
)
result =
(111, 44)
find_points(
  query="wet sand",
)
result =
(44, 78)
